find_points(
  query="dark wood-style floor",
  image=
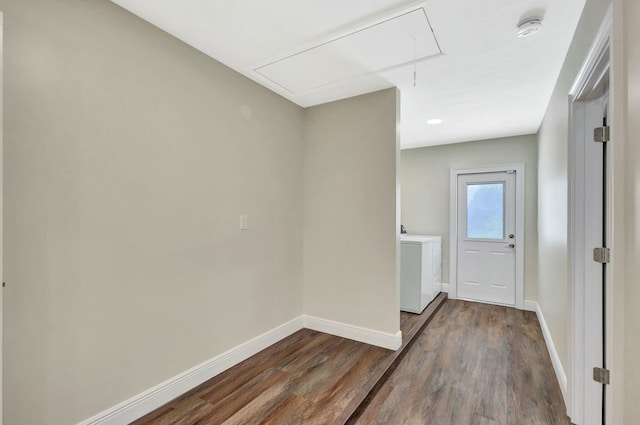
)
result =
(472, 363)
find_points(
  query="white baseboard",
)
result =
(153, 398)
(445, 287)
(555, 359)
(530, 306)
(161, 394)
(357, 333)
(437, 287)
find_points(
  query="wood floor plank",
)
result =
(318, 347)
(473, 364)
(534, 394)
(291, 411)
(259, 407)
(187, 412)
(488, 365)
(318, 379)
(401, 401)
(360, 373)
(233, 403)
(371, 414)
(318, 342)
(233, 378)
(409, 339)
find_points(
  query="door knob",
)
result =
(511, 236)
(511, 245)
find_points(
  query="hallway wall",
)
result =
(127, 166)
(631, 296)
(350, 216)
(553, 139)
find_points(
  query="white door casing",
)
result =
(589, 100)
(1, 197)
(505, 263)
(486, 237)
(586, 224)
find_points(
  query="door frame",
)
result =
(582, 298)
(1, 203)
(519, 169)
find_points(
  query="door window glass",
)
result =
(485, 211)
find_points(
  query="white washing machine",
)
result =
(420, 271)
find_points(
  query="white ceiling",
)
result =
(485, 83)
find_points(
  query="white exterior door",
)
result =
(487, 241)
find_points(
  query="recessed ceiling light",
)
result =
(529, 27)
(434, 121)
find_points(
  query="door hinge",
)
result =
(601, 134)
(601, 255)
(601, 375)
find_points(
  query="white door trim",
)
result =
(1, 197)
(519, 168)
(582, 298)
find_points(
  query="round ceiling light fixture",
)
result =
(529, 27)
(434, 121)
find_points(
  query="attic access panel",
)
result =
(400, 40)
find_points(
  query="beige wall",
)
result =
(127, 166)
(623, 313)
(425, 190)
(632, 215)
(350, 232)
(553, 139)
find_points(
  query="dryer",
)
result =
(420, 271)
